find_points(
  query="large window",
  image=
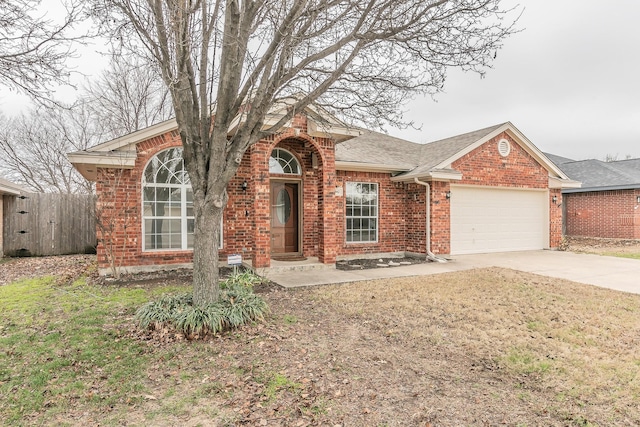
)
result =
(362, 212)
(167, 205)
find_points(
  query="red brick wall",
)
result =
(317, 189)
(440, 218)
(246, 217)
(555, 217)
(392, 214)
(613, 214)
(119, 213)
(485, 166)
(416, 214)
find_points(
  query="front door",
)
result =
(284, 217)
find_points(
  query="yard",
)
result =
(483, 347)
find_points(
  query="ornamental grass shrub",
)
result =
(238, 305)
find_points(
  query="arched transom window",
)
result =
(167, 205)
(283, 162)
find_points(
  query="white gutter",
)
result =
(430, 255)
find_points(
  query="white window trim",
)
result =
(376, 217)
(184, 218)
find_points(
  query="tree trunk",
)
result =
(206, 289)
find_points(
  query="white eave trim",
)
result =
(439, 175)
(555, 183)
(133, 138)
(11, 189)
(123, 159)
(327, 130)
(88, 163)
(368, 167)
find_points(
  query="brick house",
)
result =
(319, 189)
(608, 203)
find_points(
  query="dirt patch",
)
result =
(64, 267)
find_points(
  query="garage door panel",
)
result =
(498, 220)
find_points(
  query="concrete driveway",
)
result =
(621, 274)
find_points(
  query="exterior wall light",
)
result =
(244, 185)
(448, 195)
(638, 199)
(555, 200)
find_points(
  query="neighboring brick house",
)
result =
(7, 189)
(608, 203)
(319, 189)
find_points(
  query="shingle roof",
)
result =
(401, 155)
(434, 153)
(380, 149)
(558, 160)
(598, 174)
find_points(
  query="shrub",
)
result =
(238, 305)
(246, 278)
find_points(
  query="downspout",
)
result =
(430, 255)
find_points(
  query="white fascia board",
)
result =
(556, 183)
(368, 167)
(339, 133)
(9, 188)
(138, 136)
(123, 159)
(440, 175)
(87, 163)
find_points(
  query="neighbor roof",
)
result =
(10, 188)
(597, 175)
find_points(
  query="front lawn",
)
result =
(483, 347)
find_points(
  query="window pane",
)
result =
(283, 162)
(361, 212)
(167, 208)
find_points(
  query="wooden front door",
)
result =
(284, 217)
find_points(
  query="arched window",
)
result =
(283, 162)
(167, 203)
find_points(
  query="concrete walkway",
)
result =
(621, 274)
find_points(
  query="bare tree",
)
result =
(34, 144)
(239, 58)
(615, 157)
(33, 48)
(128, 96)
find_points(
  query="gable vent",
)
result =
(504, 148)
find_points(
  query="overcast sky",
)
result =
(570, 81)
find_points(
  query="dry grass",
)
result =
(472, 348)
(569, 351)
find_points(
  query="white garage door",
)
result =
(498, 220)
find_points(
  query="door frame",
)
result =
(298, 182)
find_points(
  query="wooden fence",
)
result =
(39, 224)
